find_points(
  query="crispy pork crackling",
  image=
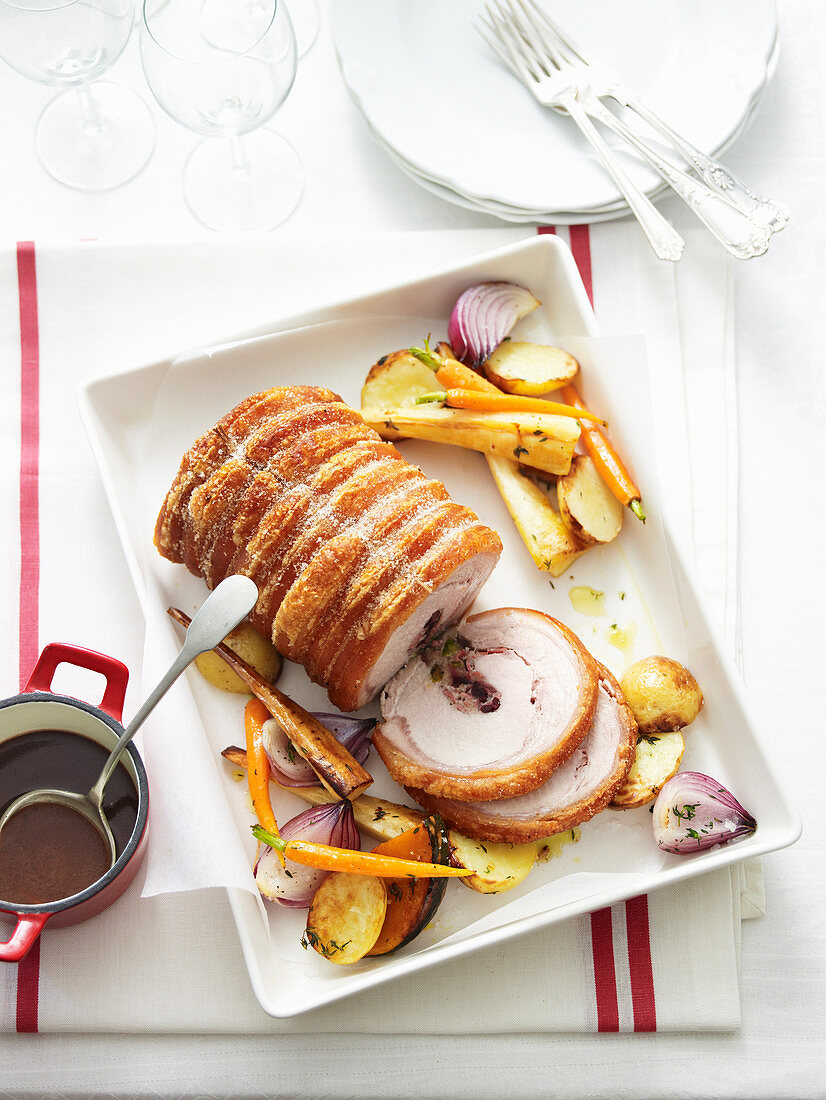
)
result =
(358, 557)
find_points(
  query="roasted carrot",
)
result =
(328, 858)
(607, 461)
(451, 373)
(258, 766)
(505, 402)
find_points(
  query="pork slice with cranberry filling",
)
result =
(489, 711)
(575, 791)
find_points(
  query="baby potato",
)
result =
(657, 758)
(529, 369)
(662, 693)
(251, 647)
(346, 916)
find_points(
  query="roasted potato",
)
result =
(657, 758)
(396, 380)
(549, 542)
(346, 916)
(497, 867)
(662, 693)
(251, 647)
(529, 369)
(589, 509)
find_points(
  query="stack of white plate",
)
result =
(453, 119)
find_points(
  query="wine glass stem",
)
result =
(92, 124)
(239, 154)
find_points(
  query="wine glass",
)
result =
(223, 68)
(92, 136)
(306, 21)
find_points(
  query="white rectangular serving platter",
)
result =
(141, 422)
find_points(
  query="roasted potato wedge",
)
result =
(657, 758)
(497, 867)
(546, 442)
(587, 506)
(662, 693)
(550, 543)
(530, 369)
(396, 380)
(346, 916)
(251, 647)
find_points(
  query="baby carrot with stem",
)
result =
(327, 858)
(607, 461)
(451, 373)
(258, 768)
(505, 402)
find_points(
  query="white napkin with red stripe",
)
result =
(668, 961)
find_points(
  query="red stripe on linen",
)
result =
(605, 974)
(581, 249)
(639, 964)
(29, 461)
(28, 970)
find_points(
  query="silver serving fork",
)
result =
(605, 84)
(525, 46)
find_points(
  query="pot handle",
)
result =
(29, 927)
(116, 673)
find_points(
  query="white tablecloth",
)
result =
(779, 320)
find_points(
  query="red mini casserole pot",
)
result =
(39, 708)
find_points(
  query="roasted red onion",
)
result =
(694, 812)
(482, 318)
(295, 885)
(292, 770)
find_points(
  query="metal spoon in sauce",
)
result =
(223, 609)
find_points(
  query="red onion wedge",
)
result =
(694, 812)
(482, 318)
(292, 770)
(332, 823)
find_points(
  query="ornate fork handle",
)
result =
(739, 233)
(663, 237)
(773, 215)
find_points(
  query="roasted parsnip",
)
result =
(549, 542)
(544, 441)
(335, 767)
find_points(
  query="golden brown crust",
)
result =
(397, 537)
(475, 823)
(414, 586)
(293, 489)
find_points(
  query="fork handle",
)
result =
(662, 236)
(739, 234)
(774, 215)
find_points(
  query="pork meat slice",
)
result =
(579, 788)
(490, 711)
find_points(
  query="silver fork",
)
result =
(604, 83)
(560, 92)
(527, 49)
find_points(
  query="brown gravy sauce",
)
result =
(49, 852)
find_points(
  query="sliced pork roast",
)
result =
(358, 557)
(490, 711)
(575, 791)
